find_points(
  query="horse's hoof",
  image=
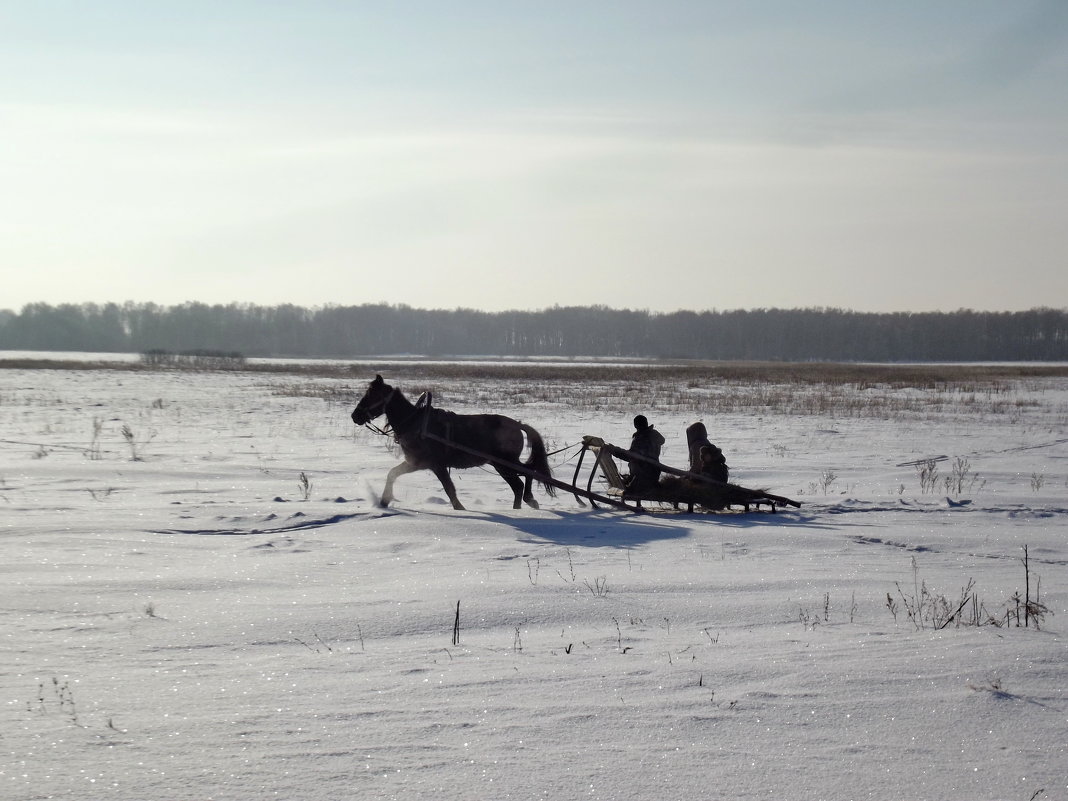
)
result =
(533, 504)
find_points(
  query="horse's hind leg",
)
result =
(398, 471)
(516, 483)
(528, 496)
(446, 482)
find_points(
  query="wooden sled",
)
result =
(676, 488)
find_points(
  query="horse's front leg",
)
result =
(446, 482)
(398, 471)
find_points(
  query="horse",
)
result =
(420, 429)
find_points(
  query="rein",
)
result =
(385, 432)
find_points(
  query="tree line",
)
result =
(810, 334)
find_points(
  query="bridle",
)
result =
(381, 407)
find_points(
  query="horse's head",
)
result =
(373, 403)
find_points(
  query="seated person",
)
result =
(713, 464)
(647, 442)
(705, 458)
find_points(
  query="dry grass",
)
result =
(806, 389)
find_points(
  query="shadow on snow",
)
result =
(612, 529)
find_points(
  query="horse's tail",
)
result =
(539, 459)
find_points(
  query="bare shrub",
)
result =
(962, 475)
(599, 587)
(827, 479)
(135, 444)
(927, 470)
(94, 451)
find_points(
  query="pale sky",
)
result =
(878, 156)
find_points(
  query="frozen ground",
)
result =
(179, 622)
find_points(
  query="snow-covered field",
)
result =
(185, 617)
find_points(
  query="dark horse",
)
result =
(419, 429)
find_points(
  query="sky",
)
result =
(676, 154)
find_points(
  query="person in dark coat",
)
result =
(713, 463)
(705, 457)
(647, 441)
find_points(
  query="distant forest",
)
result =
(815, 334)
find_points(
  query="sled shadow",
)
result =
(593, 529)
(615, 529)
(756, 520)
